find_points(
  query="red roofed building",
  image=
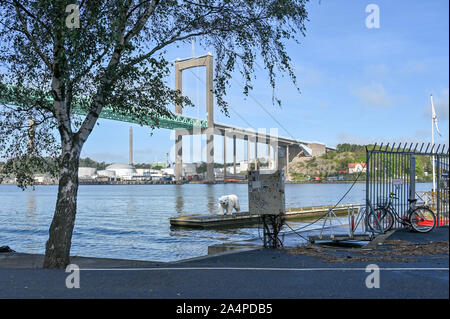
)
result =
(356, 167)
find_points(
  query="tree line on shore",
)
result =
(335, 163)
(332, 163)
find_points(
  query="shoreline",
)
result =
(21, 260)
(204, 182)
(195, 183)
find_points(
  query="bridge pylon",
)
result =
(180, 65)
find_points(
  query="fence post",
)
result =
(438, 189)
(367, 179)
(412, 178)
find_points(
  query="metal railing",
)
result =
(392, 169)
(354, 221)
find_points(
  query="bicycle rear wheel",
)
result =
(380, 220)
(422, 219)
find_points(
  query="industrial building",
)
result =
(86, 172)
(122, 170)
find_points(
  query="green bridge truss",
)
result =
(169, 122)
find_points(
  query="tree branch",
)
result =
(141, 21)
(27, 12)
(136, 7)
(99, 100)
(33, 40)
(162, 45)
(89, 67)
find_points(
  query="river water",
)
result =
(131, 221)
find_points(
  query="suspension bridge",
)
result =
(284, 149)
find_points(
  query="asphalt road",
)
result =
(254, 274)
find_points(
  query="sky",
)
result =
(357, 85)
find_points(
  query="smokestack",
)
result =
(31, 134)
(131, 145)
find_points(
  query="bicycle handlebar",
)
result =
(393, 195)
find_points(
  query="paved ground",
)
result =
(438, 234)
(264, 273)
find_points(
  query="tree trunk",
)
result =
(57, 252)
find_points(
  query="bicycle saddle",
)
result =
(412, 200)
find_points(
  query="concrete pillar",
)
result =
(178, 157)
(210, 157)
(224, 156)
(256, 153)
(248, 153)
(234, 154)
(178, 136)
(210, 110)
(287, 160)
(268, 156)
(131, 146)
(276, 156)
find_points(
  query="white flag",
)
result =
(434, 116)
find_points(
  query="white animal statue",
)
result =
(227, 203)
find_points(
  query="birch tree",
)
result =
(58, 54)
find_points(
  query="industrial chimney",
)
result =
(131, 145)
(31, 136)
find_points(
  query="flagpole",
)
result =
(432, 143)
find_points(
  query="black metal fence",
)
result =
(395, 169)
(442, 189)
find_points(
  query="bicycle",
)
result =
(420, 218)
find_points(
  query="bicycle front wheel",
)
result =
(380, 220)
(422, 219)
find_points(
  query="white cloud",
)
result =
(346, 138)
(373, 95)
(413, 67)
(308, 76)
(377, 70)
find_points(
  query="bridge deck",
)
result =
(9, 93)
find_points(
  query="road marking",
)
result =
(260, 269)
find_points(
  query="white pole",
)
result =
(432, 143)
(131, 146)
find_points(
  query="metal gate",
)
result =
(393, 169)
(442, 189)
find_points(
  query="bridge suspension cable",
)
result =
(257, 103)
(265, 110)
(235, 111)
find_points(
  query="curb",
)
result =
(230, 252)
(380, 239)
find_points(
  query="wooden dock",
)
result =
(245, 218)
